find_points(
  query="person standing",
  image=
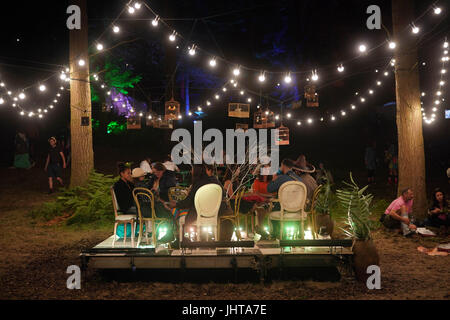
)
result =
(370, 159)
(22, 156)
(55, 163)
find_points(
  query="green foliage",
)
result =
(357, 205)
(88, 204)
(116, 128)
(119, 79)
(325, 200)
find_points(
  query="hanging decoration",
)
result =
(150, 118)
(243, 126)
(283, 136)
(134, 123)
(311, 96)
(238, 110)
(264, 119)
(172, 110)
(163, 124)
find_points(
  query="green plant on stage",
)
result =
(357, 205)
(88, 204)
(325, 200)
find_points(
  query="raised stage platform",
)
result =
(260, 257)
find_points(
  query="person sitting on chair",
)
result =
(398, 214)
(124, 190)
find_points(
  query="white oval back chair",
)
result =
(207, 204)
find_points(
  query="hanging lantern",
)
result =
(134, 123)
(238, 110)
(283, 136)
(311, 96)
(243, 126)
(150, 118)
(264, 119)
(172, 110)
(163, 124)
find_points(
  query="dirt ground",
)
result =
(35, 258)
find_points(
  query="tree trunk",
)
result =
(80, 102)
(411, 154)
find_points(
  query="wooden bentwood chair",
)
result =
(143, 198)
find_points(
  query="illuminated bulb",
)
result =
(199, 109)
(2, 101)
(155, 22)
(39, 110)
(242, 93)
(299, 123)
(363, 100)
(288, 78)
(423, 94)
(439, 93)
(81, 63)
(378, 83)
(22, 113)
(310, 121)
(45, 110)
(232, 81)
(192, 51)
(15, 99)
(370, 91)
(141, 114)
(31, 114)
(180, 117)
(235, 85)
(341, 68)
(315, 76)
(9, 93)
(42, 87)
(289, 115)
(437, 10)
(236, 72)
(22, 96)
(224, 89)
(343, 113)
(190, 114)
(50, 106)
(116, 29)
(58, 95)
(386, 74)
(356, 93)
(249, 99)
(435, 109)
(441, 83)
(40, 116)
(277, 117)
(131, 10)
(137, 5)
(353, 107)
(262, 77)
(213, 63)
(437, 102)
(415, 29)
(63, 76)
(362, 48)
(333, 118)
(217, 97)
(443, 71)
(208, 103)
(392, 45)
(99, 47)
(173, 37)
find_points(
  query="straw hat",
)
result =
(138, 173)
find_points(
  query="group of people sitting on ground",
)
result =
(158, 178)
(399, 213)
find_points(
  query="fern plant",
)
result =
(357, 204)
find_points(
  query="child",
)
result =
(53, 164)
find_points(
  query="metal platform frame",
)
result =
(224, 255)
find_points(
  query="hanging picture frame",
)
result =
(311, 96)
(282, 136)
(264, 119)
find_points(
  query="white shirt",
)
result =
(146, 166)
(170, 166)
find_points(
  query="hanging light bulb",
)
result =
(2, 84)
(99, 47)
(199, 108)
(386, 74)
(81, 63)
(217, 97)
(314, 76)
(414, 29)
(116, 29)
(362, 48)
(173, 37)
(9, 93)
(262, 77)
(363, 100)
(310, 121)
(22, 96)
(343, 113)
(2, 101)
(249, 100)
(22, 113)
(353, 107)
(237, 71)
(289, 115)
(192, 51)
(299, 123)
(379, 83)
(51, 106)
(333, 118)
(340, 68)
(242, 92)
(63, 76)
(224, 89)
(288, 78)
(131, 10)
(137, 5)
(442, 83)
(208, 103)
(439, 93)
(213, 62)
(42, 88)
(370, 91)
(392, 45)
(155, 21)
(437, 10)
(443, 71)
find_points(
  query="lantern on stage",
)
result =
(134, 123)
(150, 118)
(282, 136)
(239, 110)
(264, 119)
(311, 96)
(172, 110)
(242, 126)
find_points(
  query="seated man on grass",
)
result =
(398, 214)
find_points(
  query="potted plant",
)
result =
(323, 203)
(357, 204)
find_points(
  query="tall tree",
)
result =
(80, 102)
(409, 116)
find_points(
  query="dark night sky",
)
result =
(303, 35)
